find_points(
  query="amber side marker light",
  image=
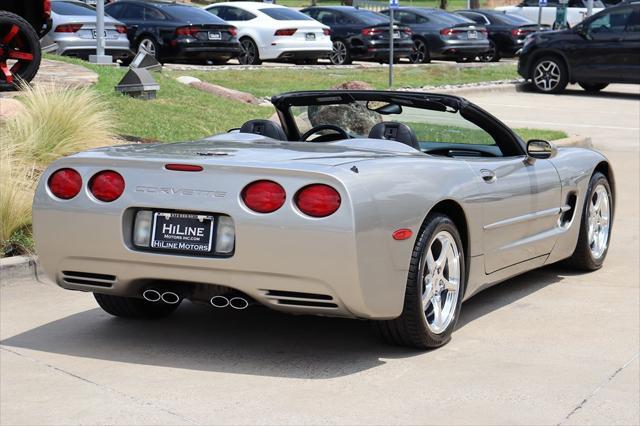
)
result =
(402, 234)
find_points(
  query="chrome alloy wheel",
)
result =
(546, 76)
(440, 281)
(419, 52)
(149, 46)
(248, 52)
(339, 53)
(599, 221)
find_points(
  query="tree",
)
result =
(443, 4)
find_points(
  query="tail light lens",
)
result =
(448, 32)
(68, 28)
(107, 186)
(65, 183)
(233, 31)
(407, 31)
(326, 31)
(318, 200)
(263, 196)
(368, 32)
(519, 32)
(286, 32)
(121, 29)
(187, 31)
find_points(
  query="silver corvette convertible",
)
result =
(389, 206)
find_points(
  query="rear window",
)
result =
(71, 8)
(371, 18)
(449, 18)
(511, 19)
(191, 14)
(284, 14)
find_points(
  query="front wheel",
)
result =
(150, 46)
(435, 285)
(593, 87)
(491, 55)
(249, 54)
(130, 307)
(595, 226)
(550, 75)
(20, 52)
(419, 52)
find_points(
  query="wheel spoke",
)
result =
(444, 252)
(11, 34)
(427, 295)
(437, 311)
(24, 56)
(450, 285)
(8, 76)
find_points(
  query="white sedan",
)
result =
(576, 10)
(273, 32)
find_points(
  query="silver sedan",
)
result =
(73, 32)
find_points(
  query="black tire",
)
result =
(341, 54)
(593, 87)
(130, 307)
(410, 328)
(20, 44)
(492, 55)
(250, 54)
(152, 44)
(582, 258)
(420, 52)
(555, 69)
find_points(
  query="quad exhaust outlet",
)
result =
(168, 297)
(171, 298)
(238, 303)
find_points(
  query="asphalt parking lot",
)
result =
(550, 347)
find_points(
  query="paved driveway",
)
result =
(550, 347)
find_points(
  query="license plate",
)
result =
(472, 34)
(310, 36)
(95, 33)
(182, 232)
(396, 34)
(215, 35)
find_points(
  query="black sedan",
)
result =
(361, 34)
(506, 32)
(176, 32)
(441, 35)
(600, 50)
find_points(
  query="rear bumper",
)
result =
(188, 51)
(303, 54)
(458, 48)
(300, 49)
(380, 50)
(84, 47)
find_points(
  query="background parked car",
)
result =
(506, 32)
(272, 32)
(601, 50)
(174, 31)
(361, 34)
(22, 23)
(74, 31)
(576, 10)
(438, 34)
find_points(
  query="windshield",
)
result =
(284, 14)
(358, 118)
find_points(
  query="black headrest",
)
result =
(394, 131)
(265, 128)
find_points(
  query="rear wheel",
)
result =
(420, 52)
(249, 54)
(435, 286)
(595, 226)
(593, 87)
(20, 52)
(130, 307)
(340, 54)
(490, 55)
(149, 45)
(550, 75)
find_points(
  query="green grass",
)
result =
(268, 82)
(429, 132)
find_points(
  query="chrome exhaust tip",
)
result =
(219, 302)
(239, 303)
(170, 298)
(151, 295)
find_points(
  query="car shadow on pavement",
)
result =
(256, 341)
(610, 94)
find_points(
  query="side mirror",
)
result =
(539, 149)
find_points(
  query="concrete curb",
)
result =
(574, 141)
(19, 268)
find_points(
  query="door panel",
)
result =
(521, 207)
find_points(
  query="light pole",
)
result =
(100, 57)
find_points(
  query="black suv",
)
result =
(22, 23)
(600, 50)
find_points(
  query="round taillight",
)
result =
(318, 200)
(263, 196)
(107, 185)
(65, 183)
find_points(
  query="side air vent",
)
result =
(294, 298)
(568, 210)
(88, 278)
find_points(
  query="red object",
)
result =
(402, 234)
(46, 8)
(263, 196)
(318, 200)
(121, 29)
(519, 32)
(371, 31)
(107, 185)
(326, 31)
(65, 183)
(286, 32)
(68, 28)
(407, 30)
(188, 31)
(233, 31)
(183, 167)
